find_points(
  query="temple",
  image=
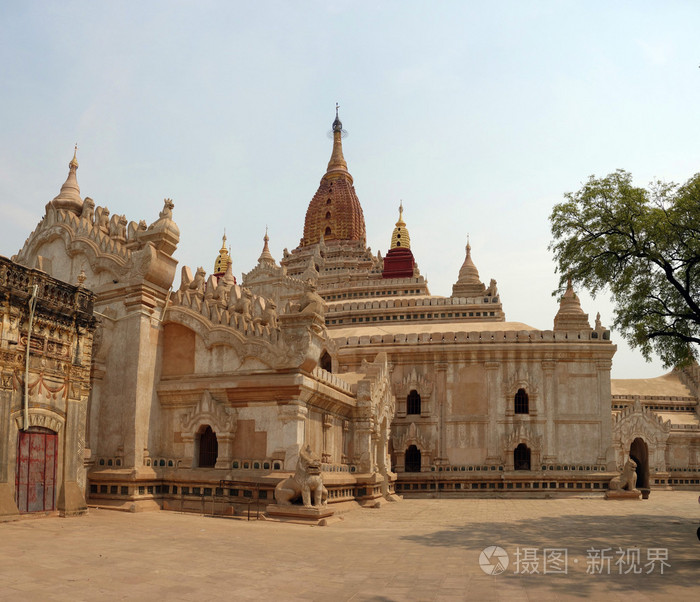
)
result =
(141, 391)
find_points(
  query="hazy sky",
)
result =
(479, 115)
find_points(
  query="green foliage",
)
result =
(643, 247)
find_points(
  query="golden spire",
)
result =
(223, 259)
(400, 237)
(266, 256)
(337, 162)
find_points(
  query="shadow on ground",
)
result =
(577, 534)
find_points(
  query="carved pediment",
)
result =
(520, 379)
(522, 433)
(639, 421)
(412, 434)
(414, 381)
(209, 411)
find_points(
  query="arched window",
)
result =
(328, 215)
(522, 402)
(521, 457)
(328, 232)
(413, 403)
(328, 201)
(325, 362)
(208, 448)
(412, 459)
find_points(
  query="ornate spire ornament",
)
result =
(570, 315)
(400, 236)
(69, 196)
(266, 256)
(337, 161)
(468, 283)
(223, 259)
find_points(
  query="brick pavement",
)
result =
(412, 550)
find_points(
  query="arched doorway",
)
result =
(639, 452)
(412, 459)
(208, 448)
(521, 457)
(35, 477)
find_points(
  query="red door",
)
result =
(35, 479)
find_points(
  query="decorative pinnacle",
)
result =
(74, 160)
(266, 256)
(337, 162)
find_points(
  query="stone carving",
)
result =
(102, 219)
(88, 211)
(117, 227)
(493, 288)
(209, 411)
(422, 384)
(306, 479)
(243, 305)
(167, 211)
(269, 316)
(311, 302)
(627, 480)
(198, 283)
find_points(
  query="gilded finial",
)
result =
(223, 260)
(400, 237)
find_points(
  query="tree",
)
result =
(643, 247)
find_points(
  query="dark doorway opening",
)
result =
(412, 459)
(639, 452)
(326, 363)
(35, 477)
(208, 448)
(521, 457)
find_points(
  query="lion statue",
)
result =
(311, 302)
(306, 479)
(627, 480)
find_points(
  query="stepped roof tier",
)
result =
(361, 287)
(570, 315)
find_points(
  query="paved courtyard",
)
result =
(412, 550)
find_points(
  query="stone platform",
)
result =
(300, 514)
(623, 494)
